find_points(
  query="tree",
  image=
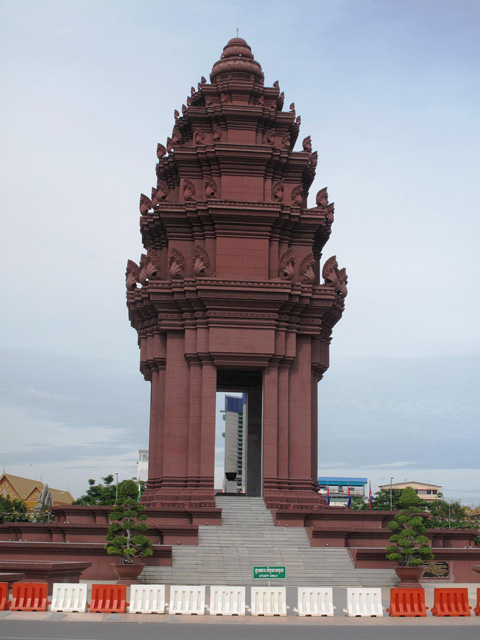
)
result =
(381, 500)
(409, 546)
(447, 514)
(125, 533)
(106, 493)
(13, 510)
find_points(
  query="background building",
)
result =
(142, 465)
(31, 490)
(338, 488)
(422, 489)
(235, 445)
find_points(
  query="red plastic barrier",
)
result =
(450, 603)
(4, 601)
(108, 598)
(407, 603)
(477, 608)
(30, 596)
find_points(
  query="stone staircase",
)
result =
(248, 538)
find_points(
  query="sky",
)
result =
(389, 92)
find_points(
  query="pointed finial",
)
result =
(237, 32)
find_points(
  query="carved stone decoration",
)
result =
(188, 190)
(280, 101)
(261, 100)
(322, 198)
(160, 193)
(313, 159)
(307, 271)
(278, 190)
(169, 145)
(203, 80)
(223, 98)
(209, 187)
(188, 101)
(176, 264)
(161, 151)
(150, 266)
(131, 274)
(307, 144)
(176, 114)
(287, 141)
(292, 109)
(201, 261)
(276, 84)
(177, 137)
(145, 204)
(184, 110)
(286, 266)
(298, 121)
(192, 91)
(217, 133)
(297, 195)
(269, 137)
(335, 277)
(198, 137)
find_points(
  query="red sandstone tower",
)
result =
(228, 294)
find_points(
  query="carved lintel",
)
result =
(217, 133)
(269, 137)
(278, 191)
(131, 274)
(335, 277)
(307, 269)
(297, 195)
(200, 260)
(286, 265)
(198, 137)
(188, 190)
(209, 187)
(176, 264)
(145, 204)
(160, 193)
(161, 151)
(307, 144)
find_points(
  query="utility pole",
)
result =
(391, 502)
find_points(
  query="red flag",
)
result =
(370, 497)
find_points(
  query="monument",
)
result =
(228, 295)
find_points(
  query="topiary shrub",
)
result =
(409, 544)
(125, 533)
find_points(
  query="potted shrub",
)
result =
(409, 544)
(125, 539)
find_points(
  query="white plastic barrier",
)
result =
(69, 596)
(268, 601)
(227, 601)
(189, 600)
(147, 598)
(364, 602)
(315, 601)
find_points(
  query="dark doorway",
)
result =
(249, 384)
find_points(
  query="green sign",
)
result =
(269, 573)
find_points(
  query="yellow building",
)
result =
(423, 490)
(31, 490)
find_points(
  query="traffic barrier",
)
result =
(189, 600)
(69, 597)
(147, 598)
(477, 608)
(450, 603)
(268, 601)
(108, 598)
(4, 601)
(315, 601)
(407, 603)
(29, 596)
(227, 601)
(364, 602)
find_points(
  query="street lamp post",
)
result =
(391, 501)
(116, 486)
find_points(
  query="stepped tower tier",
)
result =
(228, 294)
